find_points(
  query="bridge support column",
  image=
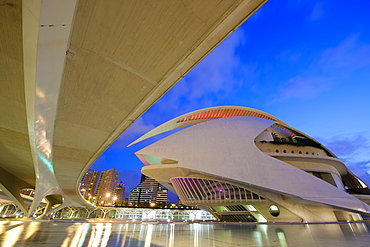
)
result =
(12, 186)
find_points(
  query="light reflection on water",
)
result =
(17, 233)
(10, 239)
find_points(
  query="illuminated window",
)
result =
(251, 208)
(274, 210)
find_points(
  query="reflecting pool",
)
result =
(49, 233)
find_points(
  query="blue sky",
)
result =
(305, 62)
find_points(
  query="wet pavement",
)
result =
(50, 233)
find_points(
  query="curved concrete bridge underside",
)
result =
(75, 74)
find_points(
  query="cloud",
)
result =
(362, 170)
(348, 56)
(351, 149)
(215, 78)
(138, 128)
(354, 151)
(302, 87)
(317, 12)
(344, 147)
(327, 69)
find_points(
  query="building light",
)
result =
(251, 208)
(273, 207)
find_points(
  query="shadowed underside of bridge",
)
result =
(75, 74)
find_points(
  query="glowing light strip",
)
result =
(46, 161)
(223, 113)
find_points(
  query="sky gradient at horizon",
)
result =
(304, 62)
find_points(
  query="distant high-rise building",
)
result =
(149, 190)
(162, 194)
(119, 195)
(105, 193)
(88, 184)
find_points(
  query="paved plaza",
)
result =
(56, 233)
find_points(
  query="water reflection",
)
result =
(148, 238)
(172, 235)
(17, 233)
(11, 233)
(76, 237)
(281, 236)
(100, 235)
(196, 239)
(32, 230)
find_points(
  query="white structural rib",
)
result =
(203, 115)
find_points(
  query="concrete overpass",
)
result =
(75, 74)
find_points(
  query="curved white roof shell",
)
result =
(225, 148)
(204, 115)
(207, 114)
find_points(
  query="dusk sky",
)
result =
(305, 62)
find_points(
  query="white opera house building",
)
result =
(242, 164)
